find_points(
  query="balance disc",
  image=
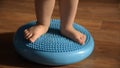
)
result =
(53, 48)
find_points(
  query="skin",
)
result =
(44, 9)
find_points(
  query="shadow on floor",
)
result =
(9, 57)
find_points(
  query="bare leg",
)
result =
(68, 10)
(44, 9)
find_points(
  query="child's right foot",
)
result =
(35, 32)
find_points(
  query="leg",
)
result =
(68, 10)
(44, 9)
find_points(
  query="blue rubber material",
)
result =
(52, 48)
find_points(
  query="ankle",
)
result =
(41, 24)
(65, 27)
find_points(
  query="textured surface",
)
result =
(52, 41)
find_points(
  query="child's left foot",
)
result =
(73, 34)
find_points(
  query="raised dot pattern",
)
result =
(52, 41)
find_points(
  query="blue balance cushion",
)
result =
(52, 48)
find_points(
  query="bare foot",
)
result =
(35, 32)
(73, 34)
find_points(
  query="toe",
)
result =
(30, 35)
(84, 38)
(33, 38)
(79, 40)
(26, 31)
(27, 35)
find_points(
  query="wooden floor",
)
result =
(102, 19)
